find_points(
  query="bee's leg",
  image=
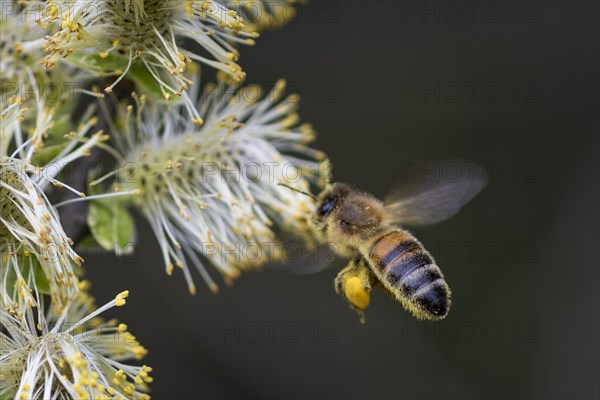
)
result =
(354, 283)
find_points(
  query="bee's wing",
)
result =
(300, 259)
(433, 203)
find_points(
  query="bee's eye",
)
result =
(327, 205)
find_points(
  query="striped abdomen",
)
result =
(407, 269)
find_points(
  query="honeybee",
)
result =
(382, 253)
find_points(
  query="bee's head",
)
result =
(331, 199)
(344, 217)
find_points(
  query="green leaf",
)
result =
(111, 226)
(146, 82)
(61, 125)
(25, 264)
(94, 63)
(47, 154)
(137, 72)
(40, 277)
(11, 279)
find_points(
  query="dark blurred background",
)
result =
(387, 84)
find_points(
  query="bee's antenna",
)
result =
(299, 191)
